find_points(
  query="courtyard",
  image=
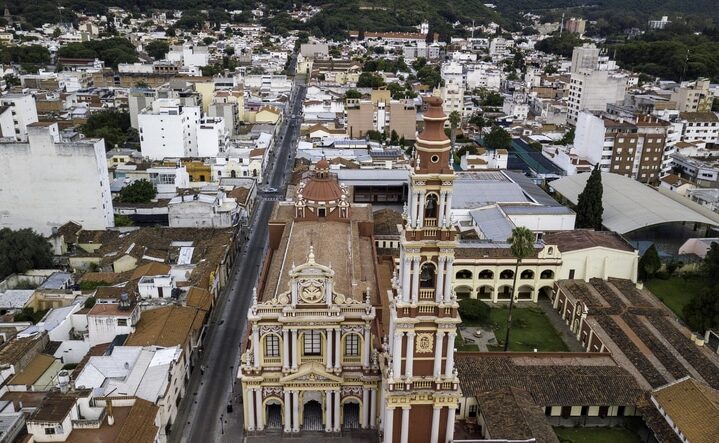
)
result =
(596, 435)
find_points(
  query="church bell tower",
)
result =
(420, 382)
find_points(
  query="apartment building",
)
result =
(39, 176)
(694, 96)
(23, 111)
(169, 129)
(381, 114)
(592, 91)
(699, 127)
(632, 147)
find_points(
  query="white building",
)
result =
(105, 321)
(452, 92)
(168, 179)
(592, 91)
(46, 182)
(483, 75)
(156, 286)
(169, 130)
(699, 127)
(204, 211)
(212, 137)
(189, 55)
(23, 111)
(516, 106)
(500, 47)
(484, 159)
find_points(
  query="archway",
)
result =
(273, 414)
(351, 414)
(430, 206)
(233, 174)
(507, 274)
(463, 274)
(427, 275)
(547, 274)
(527, 274)
(525, 292)
(485, 292)
(486, 274)
(463, 292)
(504, 292)
(312, 416)
(546, 292)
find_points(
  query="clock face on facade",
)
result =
(311, 291)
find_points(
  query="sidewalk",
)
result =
(565, 333)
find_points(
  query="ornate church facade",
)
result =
(338, 338)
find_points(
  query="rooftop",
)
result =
(166, 326)
(578, 239)
(693, 407)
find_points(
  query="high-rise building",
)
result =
(694, 97)
(24, 112)
(169, 130)
(593, 91)
(382, 114)
(420, 384)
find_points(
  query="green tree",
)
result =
(394, 138)
(702, 311)
(123, 220)
(710, 265)
(649, 264)
(568, 137)
(589, 203)
(498, 138)
(157, 49)
(22, 250)
(56, 33)
(522, 246)
(110, 124)
(139, 191)
(11, 80)
(376, 136)
(473, 310)
(454, 120)
(353, 93)
(370, 80)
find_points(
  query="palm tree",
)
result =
(454, 120)
(522, 246)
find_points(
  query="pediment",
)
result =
(311, 372)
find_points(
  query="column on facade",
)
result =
(448, 210)
(449, 434)
(328, 348)
(337, 411)
(440, 212)
(404, 435)
(439, 337)
(295, 346)
(406, 273)
(256, 345)
(365, 407)
(390, 338)
(288, 412)
(409, 361)
(286, 358)
(449, 363)
(400, 270)
(260, 416)
(420, 218)
(434, 437)
(294, 295)
(328, 292)
(448, 280)
(388, 424)
(397, 354)
(338, 350)
(366, 346)
(250, 409)
(295, 411)
(328, 411)
(410, 208)
(439, 290)
(372, 408)
(415, 279)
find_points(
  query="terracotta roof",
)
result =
(322, 189)
(15, 349)
(33, 370)
(512, 415)
(693, 407)
(578, 239)
(139, 427)
(98, 277)
(386, 221)
(108, 310)
(152, 268)
(69, 231)
(24, 399)
(257, 152)
(240, 195)
(54, 408)
(671, 179)
(553, 379)
(699, 117)
(199, 298)
(166, 326)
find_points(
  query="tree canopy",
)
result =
(110, 50)
(139, 191)
(649, 264)
(370, 80)
(22, 250)
(589, 203)
(110, 124)
(498, 138)
(157, 49)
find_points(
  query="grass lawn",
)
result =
(596, 435)
(530, 329)
(676, 292)
(462, 347)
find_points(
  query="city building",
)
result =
(632, 147)
(68, 168)
(593, 90)
(382, 114)
(169, 129)
(23, 110)
(696, 96)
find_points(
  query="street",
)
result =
(203, 415)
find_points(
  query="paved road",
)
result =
(203, 416)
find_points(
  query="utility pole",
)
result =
(561, 25)
(472, 28)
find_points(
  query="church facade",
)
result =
(341, 339)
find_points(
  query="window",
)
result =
(352, 345)
(472, 412)
(313, 343)
(571, 274)
(321, 212)
(49, 431)
(272, 346)
(121, 322)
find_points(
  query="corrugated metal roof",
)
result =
(493, 223)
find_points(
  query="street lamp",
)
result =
(222, 423)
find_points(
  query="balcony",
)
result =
(426, 294)
(352, 361)
(272, 361)
(430, 222)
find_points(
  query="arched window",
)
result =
(464, 274)
(506, 274)
(486, 275)
(527, 274)
(272, 346)
(352, 345)
(430, 206)
(254, 172)
(427, 276)
(546, 274)
(233, 174)
(202, 178)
